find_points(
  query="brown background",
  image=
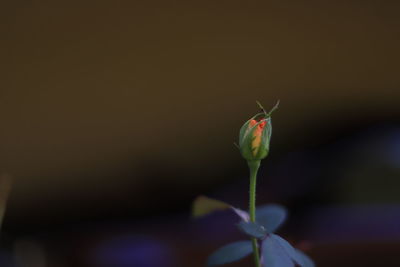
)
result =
(104, 104)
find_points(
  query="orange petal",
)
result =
(252, 123)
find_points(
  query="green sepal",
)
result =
(245, 128)
(245, 143)
(265, 140)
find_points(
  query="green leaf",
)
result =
(230, 253)
(306, 261)
(203, 205)
(273, 254)
(252, 229)
(244, 215)
(290, 251)
(271, 216)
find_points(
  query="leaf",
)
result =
(203, 205)
(230, 253)
(271, 216)
(244, 215)
(291, 251)
(306, 261)
(252, 229)
(274, 255)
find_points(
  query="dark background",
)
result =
(115, 115)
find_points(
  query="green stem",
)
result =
(253, 166)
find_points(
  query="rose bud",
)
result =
(254, 138)
(255, 135)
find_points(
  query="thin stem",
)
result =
(253, 166)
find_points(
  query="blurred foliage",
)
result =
(203, 205)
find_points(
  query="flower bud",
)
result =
(254, 137)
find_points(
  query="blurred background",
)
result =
(115, 115)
